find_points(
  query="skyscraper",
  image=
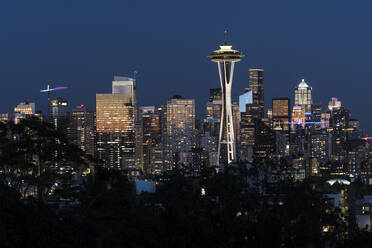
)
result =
(82, 128)
(303, 94)
(264, 141)
(124, 85)
(180, 128)
(281, 113)
(59, 114)
(213, 112)
(115, 125)
(215, 94)
(225, 57)
(334, 103)
(339, 123)
(298, 117)
(23, 110)
(151, 140)
(245, 99)
(256, 85)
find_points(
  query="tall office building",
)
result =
(244, 99)
(316, 115)
(325, 118)
(339, 123)
(247, 132)
(280, 123)
(236, 121)
(303, 94)
(264, 142)
(126, 86)
(281, 114)
(215, 94)
(256, 85)
(115, 126)
(180, 127)
(321, 146)
(82, 128)
(298, 117)
(334, 103)
(151, 140)
(23, 110)
(213, 112)
(59, 114)
(226, 57)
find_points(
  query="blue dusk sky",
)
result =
(83, 44)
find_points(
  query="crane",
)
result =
(48, 90)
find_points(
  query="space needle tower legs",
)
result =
(225, 58)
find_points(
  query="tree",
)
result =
(35, 156)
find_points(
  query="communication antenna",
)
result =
(135, 72)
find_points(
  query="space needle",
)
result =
(225, 57)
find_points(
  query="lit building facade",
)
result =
(180, 129)
(151, 140)
(303, 94)
(256, 85)
(213, 112)
(321, 146)
(334, 103)
(298, 117)
(4, 117)
(82, 128)
(115, 127)
(281, 114)
(60, 115)
(23, 110)
(339, 124)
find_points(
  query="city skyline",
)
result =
(86, 49)
(185, 124)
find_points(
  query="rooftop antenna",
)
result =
(225, 36)
(135, 72)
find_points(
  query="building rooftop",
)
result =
(303, 84)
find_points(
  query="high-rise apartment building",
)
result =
(180, 129)
(115, 126)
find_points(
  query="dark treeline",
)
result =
(238, 207)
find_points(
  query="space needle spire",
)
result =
(225, 57)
